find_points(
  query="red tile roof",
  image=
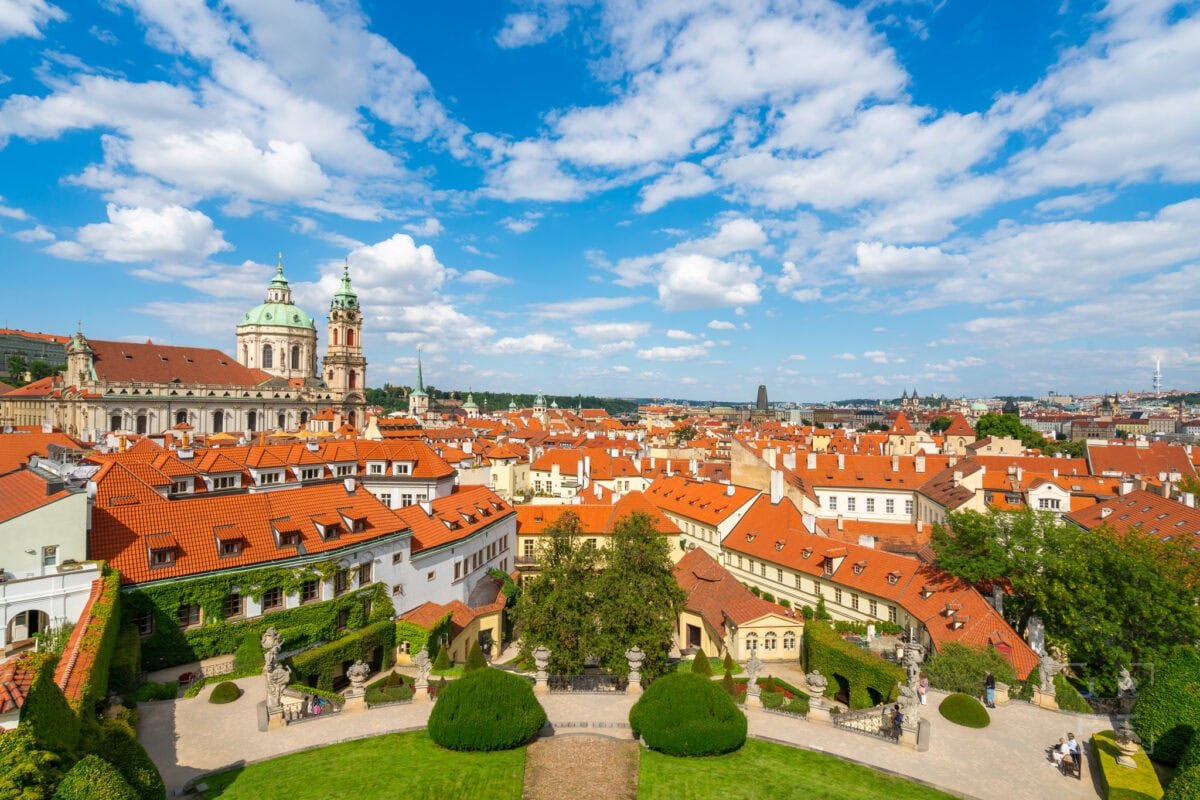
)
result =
(715, 594)
(463, 513)
(22, 492)
(1131, 459)
(1142, 511)
(595, 518)
(703, 501)
(959, 427)
(130, 518)
(17, 447)
(45, 337)
(901, 426)
(122, 362)
(15, 679)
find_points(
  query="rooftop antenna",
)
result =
(1157, 376)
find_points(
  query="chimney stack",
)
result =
(349, 484)
(841, 460)
(841, 522)
(958, 476)
(1126, 486)
(895, 463)
(729, 490)
(919, 462)
(776, 486)
(810, 461)
(1105, 513)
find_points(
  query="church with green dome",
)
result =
(277, 336)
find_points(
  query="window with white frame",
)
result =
(908, 506)
(769, 641)
(892, 614)
(789, 641)
(751, 642)
(832, 501)
(50, 555)
(375, 469)
(873, 607)
(851, 502)
(837, 595)
(870, 505)
(310, 473)
(386, 499)
(889, 505)
(854, 601)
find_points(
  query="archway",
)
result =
(27, 623)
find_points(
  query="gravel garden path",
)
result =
(581, 768)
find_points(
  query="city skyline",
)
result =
(637, 199)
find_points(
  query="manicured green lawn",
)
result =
(453, 671)
(406, 765)
(762, 769)
(717, 664)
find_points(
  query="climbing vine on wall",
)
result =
(167, 645)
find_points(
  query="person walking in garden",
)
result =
(923, 688)
(989, 690)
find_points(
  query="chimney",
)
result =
(121, 443)
(951, 461)
(920, 526)
(841, 522)
(427, 507)
(653, 462)
(789, 460)
(769, 456)
(1054, 472)
(349, 484)
(776, 486)
(168, 441)
(895, 463)
(841, 461)
(958, 476)
(1105, 512)
(810, 461)
(1188, 499)
(468, 447)
(919, 462)
(693, 467)
(1126, 486)
(1020, 475)
(637, 465)
(729, 490)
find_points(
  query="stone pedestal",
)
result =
(541, 685)
(421, 694)
(819, 713)
(908, 738)
(633, 688)
(1001, 694)
(924, 735)
(275, 721)
(356, 703)
(753, 701)
(1127, 750)
(1044, 699)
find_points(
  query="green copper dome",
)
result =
(287, 315)
(345, 296)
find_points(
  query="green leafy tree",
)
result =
(16, 367)
(558, 607)
(1189, 483)
(684, 434)
(638, 599)
(940, 424)
(442, 662)
(1008, 426)
(40, 369)
(822, 612)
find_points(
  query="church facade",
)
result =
(274, 384)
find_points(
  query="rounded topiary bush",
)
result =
(684, 714)
(486, 710)
(224, 692)
(962, 709)
(1168, 708)
(93, 778)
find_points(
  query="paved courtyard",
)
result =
(1005, 761)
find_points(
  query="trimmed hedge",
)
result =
(154, 690)
(126, 661)
(683, 714)
(824, 650)
(98, 641)
(958, 668)
(224, 692)
(93, 778)
(27, 771)
(168, 646)
(1185, 784)
(46, 713)
(325, 662)
(1167, 713)
(486, 710)
(119, 745)
(1122, 783)
(963, 709)
(249, 655)
(392, 688)
(1068, 697)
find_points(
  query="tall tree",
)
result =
(557, 608)
(638, 599)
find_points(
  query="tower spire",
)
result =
(420, 377)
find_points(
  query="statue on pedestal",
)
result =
(817, 685)
(1126, 690)
(754, 668)
(423, 665)
(278, 677)
(1050, 665)
(358, 674)
(541, 660)
(635, 658)
(271, 642)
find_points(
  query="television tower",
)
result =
(1157, 376)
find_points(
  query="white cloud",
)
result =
(845, 357)
(38, 233)
(567, 309)
(798, 357)
(27, 18)
(681, 336)
(530, 344)
(679, 353)
(426, 228)
(881, 357)
(172, 235)
(621, 368)
(684, 180)
(531, 27)
(432, 325)
(698, 281)
(721, 325)
(880, 264)
(11, 212)
(612, 331)
(482, 277)
(523, 224)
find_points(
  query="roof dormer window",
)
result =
(859, 566)
(893, 577)
(806, 552)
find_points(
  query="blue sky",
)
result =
(637, 197)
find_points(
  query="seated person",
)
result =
(1072, 745)
(1058, 752)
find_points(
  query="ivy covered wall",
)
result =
(168, 645)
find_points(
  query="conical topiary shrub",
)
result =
(475, 659)
(700, 664)
(442, 662)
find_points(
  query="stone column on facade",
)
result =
(423, 665)
(754, 668)
(635, 658)
(541, 660)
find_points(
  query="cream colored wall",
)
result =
(62, 523)
(761, 627)
(711, 641)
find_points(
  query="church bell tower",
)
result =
(345, 365)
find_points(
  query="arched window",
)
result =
(331, 376)
(282, 421)
(252, 420)
(243, 354)
(789, 641)
(268, 357)
(769, 641)
(181, 417)
(218, 421)
(350, 337)
(115, 422)
(353, 379)
(295, 356)
(303, 417)
(751, 642)
(142, 424)
(333, 336)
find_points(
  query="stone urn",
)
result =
(1127, 745)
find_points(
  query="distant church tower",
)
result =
(79, 359)
(277, 336)
(760, 403)
(345, 365)
(418, 401)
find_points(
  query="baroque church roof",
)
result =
(284, 314)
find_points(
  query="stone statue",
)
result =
(1037, 635)
(271, 642)
(541, 660)
(635, 658)
(914, 655)
(1050, 665)
(358, 674)
(278, 678)
(754, 668)
(423, 665)
(1126, 685)
(817, 685)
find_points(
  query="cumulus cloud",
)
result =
(678, 335)
(426, 228)
(581, 307)
(27, 18)
(481, 277)
(172, 235)
(798, 357)
(530, 344)
(698, 281)
(678, 353)
(612, 331)
(845, 357)
(527, 28)
(721, 325)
